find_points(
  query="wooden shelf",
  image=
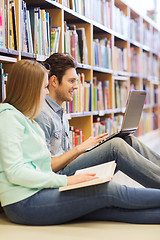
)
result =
(5, 59)
(116, 40)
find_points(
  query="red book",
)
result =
(75, 140)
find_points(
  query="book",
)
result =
(55, 36)
(2, 23)
(14, 25)
(103, 171)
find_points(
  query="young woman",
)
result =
(29, 188)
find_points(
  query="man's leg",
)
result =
(143, 149)
(128, 160)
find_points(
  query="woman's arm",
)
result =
(15, 142)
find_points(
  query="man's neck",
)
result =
(55, 99)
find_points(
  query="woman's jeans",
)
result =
(108, 201)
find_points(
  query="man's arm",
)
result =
(63, 160)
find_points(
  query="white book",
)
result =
(104, 172)
(30, 41)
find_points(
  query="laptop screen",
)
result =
(133, 110)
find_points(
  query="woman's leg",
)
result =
(49, 206)
(140, 168)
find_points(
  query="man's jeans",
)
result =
(132, 157)
(108, 201)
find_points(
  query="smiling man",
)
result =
(62, 83)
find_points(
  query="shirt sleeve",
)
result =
(44, 122)
(17, 171)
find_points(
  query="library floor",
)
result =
(87, 230)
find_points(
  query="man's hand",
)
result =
(91, 141)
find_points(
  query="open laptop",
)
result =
(131, 117)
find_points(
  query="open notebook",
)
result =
(131, 117)
(104, 172)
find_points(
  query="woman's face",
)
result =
(44, 90)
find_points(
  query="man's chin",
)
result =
(69, 99)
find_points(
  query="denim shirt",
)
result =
(55, 126)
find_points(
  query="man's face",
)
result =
(64, 91)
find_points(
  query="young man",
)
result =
(132, 157)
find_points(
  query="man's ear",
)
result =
(53, 81)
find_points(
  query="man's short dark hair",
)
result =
(58, 63)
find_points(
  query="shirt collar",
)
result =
(53, 104)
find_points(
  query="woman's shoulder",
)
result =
(9, 113)
(8, 109)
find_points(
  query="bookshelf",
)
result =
(121, 51)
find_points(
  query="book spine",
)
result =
(11, 35)
(1, 84)
(26, 42)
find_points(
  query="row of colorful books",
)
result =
(120, 94)
(75, 43)
(147, 35)
(155, 42)
(152, 92)
(155, 95)
(146, 59)
(146, 87)
(102, 12)
(134, 61)
(150, 65)
(120, 59)
(101, 95)
(106, 124)
(76, 136)
(37, 34)
(8, 25)
(102, 56)
(3, 82)
(120, 22)
(80, 6)
(148, 122)
(154, 69)
(26, 34)
(96, 96)
(135, 29)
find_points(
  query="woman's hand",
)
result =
(91, 141)
(79, 178)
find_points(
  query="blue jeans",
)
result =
(108, 201)
(132, 157)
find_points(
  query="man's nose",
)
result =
(75, 86)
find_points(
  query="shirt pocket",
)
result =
(56, 143)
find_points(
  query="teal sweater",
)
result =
(25, 162)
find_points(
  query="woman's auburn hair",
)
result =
(23, 89)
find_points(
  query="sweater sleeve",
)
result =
(17, 171)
